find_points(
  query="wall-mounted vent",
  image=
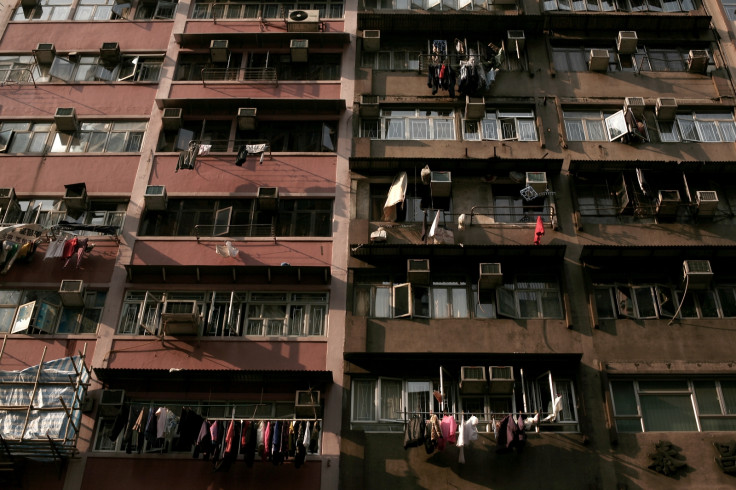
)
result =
(66, 119)
(441, 184)
(636, 104)
(473, 380)
(155, 197)
(417, 271)
(697, 273)
(171, 118)
(697, 61)
(707, 202)
(490, 275)
(598, 60)
(44, 53)
(71, 292)
(501, 379)
(626, 42)
(371, 40)
(666, 108)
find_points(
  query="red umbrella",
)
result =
(538, 231)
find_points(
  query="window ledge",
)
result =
(202, 338)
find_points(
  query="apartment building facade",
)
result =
(172, 205)
(606, 126)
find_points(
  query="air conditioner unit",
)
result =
(371, 41)
(697, 273)
(475, 107)
(29, 4)
(537, 181)
(441, 184)
(155, 197)
(490, 275)
(667, 203)
(516, 38)
(369, 106)
(598, 60)
(666, 108)
(247, 118)
(299, 50)
(697, 61)
(7, 195)
(75, 197)
(302, 21)
(707, 202)
(44, 53)
(268, 198)
(180, 317)
(473, 380)
(171, 118)
(66, 119)
(636, 104)
(307, 403)
(219, 52)
(72, 292)
(111, 401)
(501, 380)
(417, 271)
(626, 42)
(110, 52)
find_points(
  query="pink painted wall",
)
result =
(96, 267)
(284, 90)
(177, 252)
(90, 99)
(87, 36)
(22, 351)
(224, 26)
(292, 174)
(201, 353)
(46, 175)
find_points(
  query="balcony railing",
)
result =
(17, 76)
(240, 75)
(516, 214)
(268, 230)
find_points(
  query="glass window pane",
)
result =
(728, 389)
(528, 304)
(390, 399)
(595, 129)
(440, 306)
(727, 295)
(364, 401)
(718, 424)
(116, 143)
(603, 304)
(61, 140)
(574, 130)
(382, 303)
(624, 398)
(707, 398)
(668, 413)
(628, 425)
(663, 385)
(551, 306)
(645, 302)
(460, 303)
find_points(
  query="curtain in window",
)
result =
(364, 403)
(391, 399)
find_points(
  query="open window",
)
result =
(411, 300)
(222, 221)
(36, 316)
(554, 398)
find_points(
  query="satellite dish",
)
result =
(298, 15)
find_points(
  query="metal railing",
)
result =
(242, 75)
(11, 79)
(516, 214)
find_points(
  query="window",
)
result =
(321, 66)
(647, 301)
(102, 136)
(384, 399)
(49, 212)
(230, 313)
(26, 137)
(418, 200)
(554, 398)
(45, 10)
(433, 5)
(18, 69)
(214, 9)
(39, 312)
(620, 5)
(586, 125)
(156, 9)
(396, 59)
(510, 207)
(729, 6)
(502, 126)
(95, 10)
(699, 127)
(666, 404)
(294, 136)
(130, 68)
(412, 124)
(530, 297)
(239, 217)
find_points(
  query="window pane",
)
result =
(419, 129)
(528, 305)
(630, 425)
(418, 395)
(596, 132)
(364, 403)
(390, 399)
(718, 424)
(663, 385)
(603, 304)
(728, 301)
(624, 399)
(645, 302)
(460, 303)
(382, 304)
(116, 143)
(708, 307)
(551, 307)
(440, 307)
(574, 130)
(668, 413)
(707, 397)
(728, 388)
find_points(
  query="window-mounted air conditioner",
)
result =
(44, 53)
(307, 403)
(171, 118)
(697, 61)
(636, 104)
(707, 202)
(697, 273)
(72, 292)
(537, 181)
(501, 380)
(66, 119)
(666, 108)
(667, 203)
(155, 197)
(598, 60)
(369, 106)
(7, 195)
(475, 107)
(247, 118)
(110, 52)
(302, 21)
(441, 184)
(516, 38)
(268, 198)
(111, 401)
(626, 42)
(371, 41)
(29, 4)
(490, 275)
(473, 380)
(417, 271)
(299, 50)
(219, 50)
(75, 196)
(180, 317)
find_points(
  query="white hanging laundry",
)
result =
(204, 150)
(227, 250)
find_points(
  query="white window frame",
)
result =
(578, 124)
(493, 127)
(510, 295)
(699, 127)
(47, 311)
(400, 127)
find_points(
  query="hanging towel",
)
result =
(538, 231)
(461, 441)
(204, 150)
